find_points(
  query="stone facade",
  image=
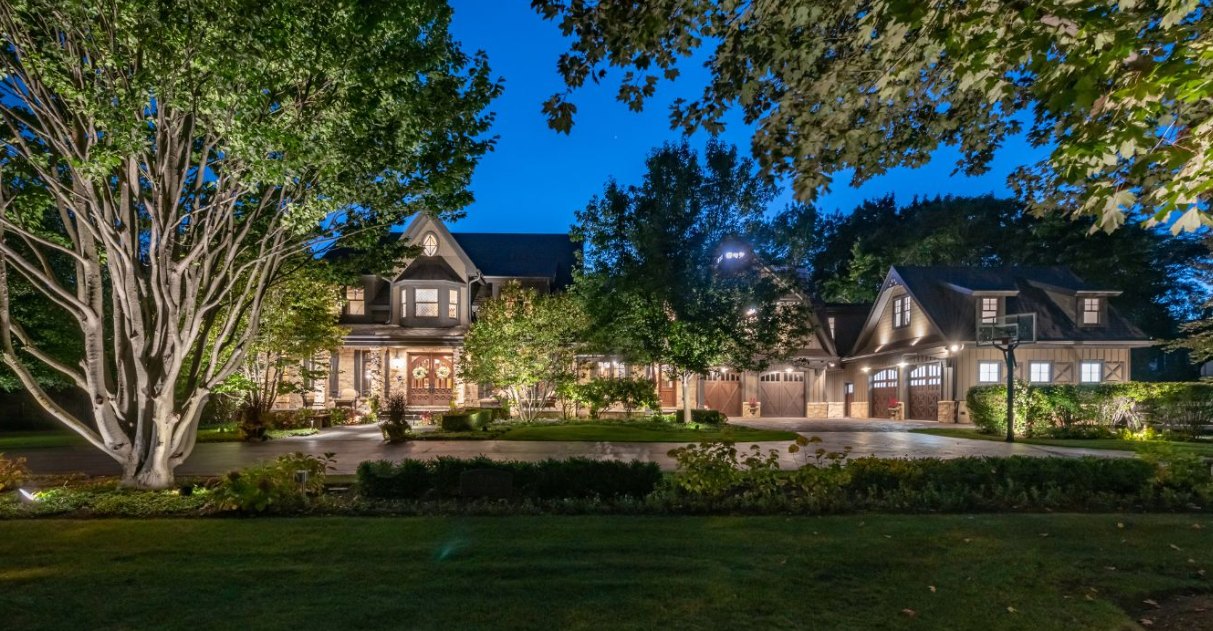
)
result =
(836, 409)
(751, 409)
(817, 410)
(947, 412)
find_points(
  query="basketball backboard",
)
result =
(1015, 328)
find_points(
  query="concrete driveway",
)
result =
(352, 445)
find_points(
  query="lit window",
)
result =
(355, 301)
(1040, 372)
(901, 312)
(989, 309)
(831, 322)
(1090, 310)
(988, 372)
(1091, 372)
(425, 303)
(429, 244)
(452, 304)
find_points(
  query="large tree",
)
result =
(525, 344)
(1117, 89)
(179, 156)
(669, 275)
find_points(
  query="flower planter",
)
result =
(395, 433)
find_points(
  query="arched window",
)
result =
(429, 244)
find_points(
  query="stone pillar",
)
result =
(817, 410)
(835, 409)
(753, 410)
(947, 412)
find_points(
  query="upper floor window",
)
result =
(429, 244)
(1040, 372)
(425, 303)
(1091, 372)
(901, 312)
(1090, 310)
(831, 323)
(355, 301)
(452, 304)
(989, 309)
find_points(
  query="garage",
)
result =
(722, 392)
(881, 391)
(925, 380)
(781, 393)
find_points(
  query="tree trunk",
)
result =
(686, 398)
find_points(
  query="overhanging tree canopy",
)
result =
(164, 162)
(1119, 89)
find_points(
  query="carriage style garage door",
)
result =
(924, 392)
(722, 391)
(781, 393)
(883, 388)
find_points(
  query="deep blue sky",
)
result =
(536, 178)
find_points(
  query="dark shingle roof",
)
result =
(429, 268)
(522, 255)
(848, 323)
(945, 293)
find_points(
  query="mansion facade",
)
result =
(912, 354)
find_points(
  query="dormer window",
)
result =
(1091, 308)
(355, 301)
(989, 309)
(429, 244)
(901, 312)
(452, 304)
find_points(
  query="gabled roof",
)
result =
(521, 254)
(848, 323)
(429, 268)
(946, 296)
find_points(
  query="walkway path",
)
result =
(352, 445)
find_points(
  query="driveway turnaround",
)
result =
(355, 444)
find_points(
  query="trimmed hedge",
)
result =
(714, 418)
(1071, 476)
(1057, 409)
(549, 479)
(467, 420)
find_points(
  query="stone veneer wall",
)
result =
(835, 409)
(947, 412)
(817, 410)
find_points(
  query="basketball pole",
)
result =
(1008, 353)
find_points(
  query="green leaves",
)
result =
(868, 86)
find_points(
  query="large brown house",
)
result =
(911, 354)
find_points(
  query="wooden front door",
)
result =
(925, 380)
(667, 389)
(431, 379)
(882, 391)
(722, 392)
(781, 393)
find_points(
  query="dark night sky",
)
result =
(536, 178)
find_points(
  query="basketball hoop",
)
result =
(1006, 333)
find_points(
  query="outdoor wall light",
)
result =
(787, 370)
(734, 255)
(865, 369)
(902, 364)
(751, 311)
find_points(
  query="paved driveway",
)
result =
(352, 445)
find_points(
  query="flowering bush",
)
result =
(12, 473)
(285, 484)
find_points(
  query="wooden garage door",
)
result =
(882, 389)
(925, 380)
(781, 393)
(722, 391)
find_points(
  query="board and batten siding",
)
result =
(967, 361)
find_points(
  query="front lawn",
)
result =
(1202, 449)
(42, 439)
(993, 572)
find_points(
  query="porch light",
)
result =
(902, 364)
(865, 369)
(954, 348)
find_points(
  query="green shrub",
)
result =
(712, 418)
(338, 416)
(1073, 477)
(272, 486)
(549, 479)
(599, 393)
(12, 473)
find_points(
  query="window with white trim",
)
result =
(1040, 372)
(1090, 310)
(901, 312)
(452, 304)
(1090, 372)
(429, 244)
(425, 303)
(989, 309)
(989, 372)
(355, 301)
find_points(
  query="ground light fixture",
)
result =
(29, 497)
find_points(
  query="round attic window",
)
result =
(429, 244)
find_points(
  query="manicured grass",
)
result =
(1031, 572)
(1203, 449)
(634, 432)
(21, 440)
